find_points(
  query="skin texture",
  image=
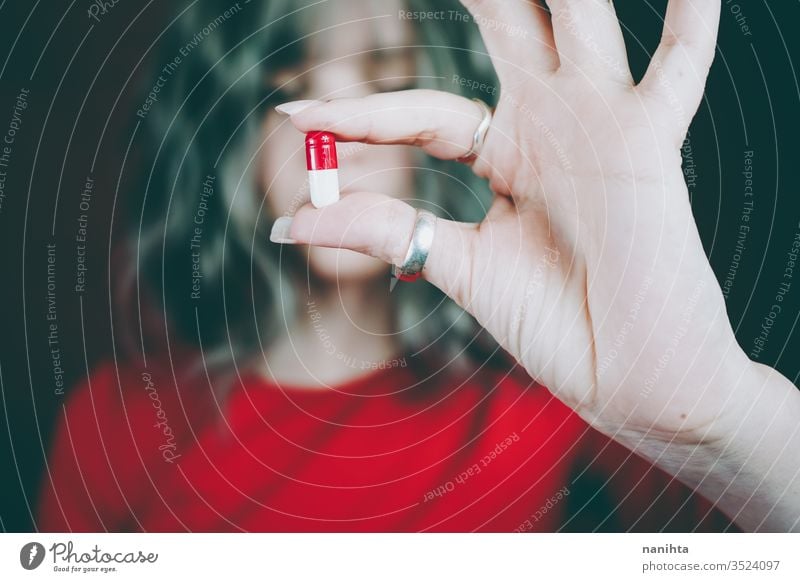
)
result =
(588, 267)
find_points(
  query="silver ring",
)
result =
(418, 248)
(479, 137)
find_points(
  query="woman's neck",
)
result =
(342, 331)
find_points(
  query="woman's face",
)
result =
(353, 49)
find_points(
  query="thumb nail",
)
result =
(280, 231)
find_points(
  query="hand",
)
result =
(588, 267)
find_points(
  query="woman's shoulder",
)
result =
(611, 488)
(120, 425)
(129, 415)
(516, 405)
(116, 388)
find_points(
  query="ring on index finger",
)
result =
(479, 137)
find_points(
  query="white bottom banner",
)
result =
(354, 557)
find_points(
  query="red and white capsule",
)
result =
(323, 168)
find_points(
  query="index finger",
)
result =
(440, 123)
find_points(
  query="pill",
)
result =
(323, 168)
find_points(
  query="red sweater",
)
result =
(135, 451)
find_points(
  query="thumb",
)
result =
(381, 226)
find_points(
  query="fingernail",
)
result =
(280, 231)
(292, 107)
